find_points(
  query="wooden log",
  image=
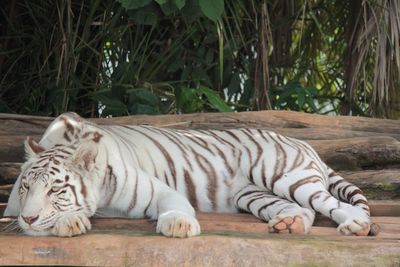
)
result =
(9, 172)
(358, 152)
(227, 240)
(376, 184)
(260, 119)
(12, 148)
(346, 143)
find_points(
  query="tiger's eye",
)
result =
(54, 189)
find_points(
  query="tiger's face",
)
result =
(53, 186)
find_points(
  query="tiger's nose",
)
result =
(30, 219)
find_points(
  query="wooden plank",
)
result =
(385, 208)
(225, 222)
(229, 239)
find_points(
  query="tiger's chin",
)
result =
(66, 226)
(33, 232)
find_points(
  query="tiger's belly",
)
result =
(208, 191)
(207, 181)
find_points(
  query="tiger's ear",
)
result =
(85, 155)
(32, 148)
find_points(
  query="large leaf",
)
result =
(169, 7)
(161, 2)
(112, 105)
(215, 100)
(134, 4)
(191, 8)
(146, 16)
(213, 9)
(143, 101)
(180, 3)
(187, 100)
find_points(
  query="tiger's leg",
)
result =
(347, 192)
(175, 215)
(311, 192)
(282, 215)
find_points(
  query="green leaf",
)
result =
(212, 9)
(169, 8)
(161, 2)
(214, 99)
(191, 9)
(200, 75)
(143, 95)
(209, 56)
(133, 4)
(300, 100)
(145, 16)
(143, 101)
(187, 100)
(112, 105)
(180, 3)
(234, 84)
(145, 109)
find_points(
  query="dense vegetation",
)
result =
(102, 58)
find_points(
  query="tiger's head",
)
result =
(55, 183)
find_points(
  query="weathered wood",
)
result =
(227, 240)
(358, 152)
(216, 223)
(376, 184)
(9, 172)
(261, 119)
(376, 143)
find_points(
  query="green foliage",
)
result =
(189, 100)
(212, 8)
(111, 58)
(145, 11)
(135, 4)
(294, 96)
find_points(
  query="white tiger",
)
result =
(79, 168)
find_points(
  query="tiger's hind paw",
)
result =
(357, 226)
(177, 224)
(71, 226)
(287, 224)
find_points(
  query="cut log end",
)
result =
(375, 229)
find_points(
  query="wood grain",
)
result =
(226, 240)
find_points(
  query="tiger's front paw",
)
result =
(71, 226)
(177, 224)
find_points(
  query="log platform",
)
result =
(365, 151)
